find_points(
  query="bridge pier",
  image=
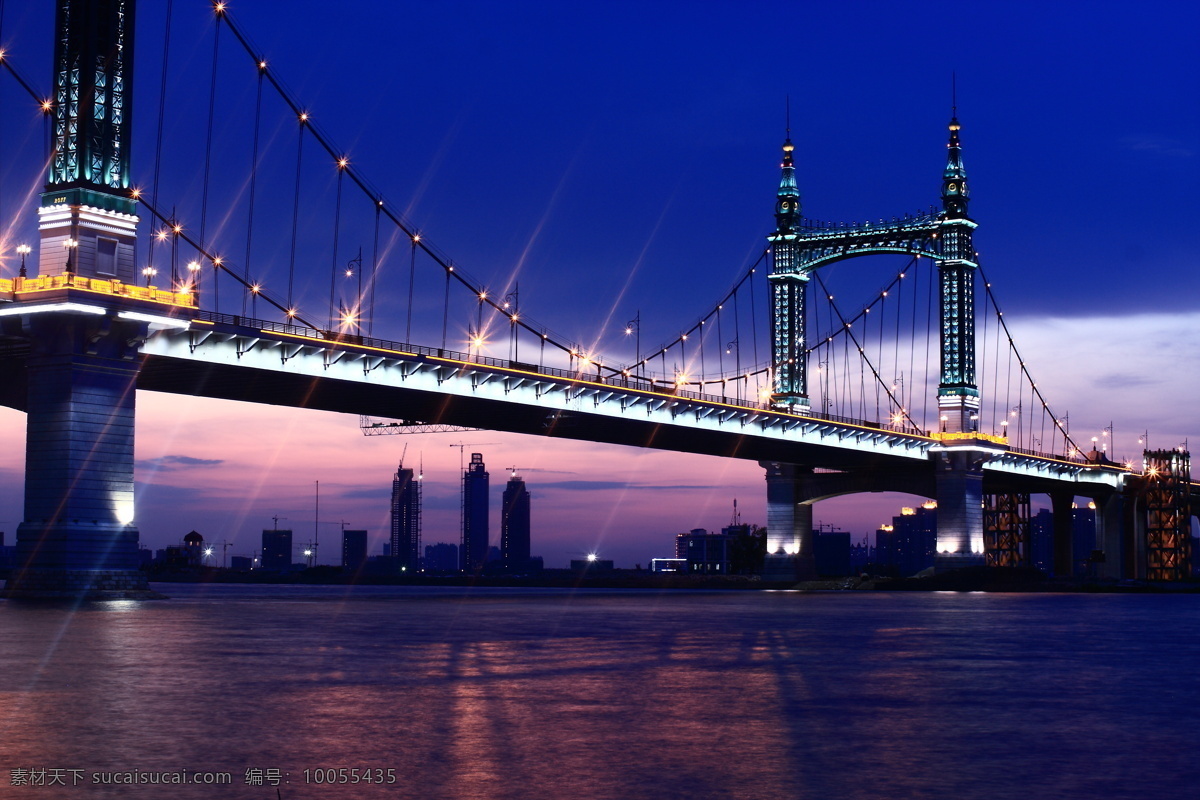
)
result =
(1061, 508)
(78, 539)
(958, 481)
(1110, 513)
(789, 524)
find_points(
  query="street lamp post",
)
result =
(634, 326)
(23, 250)
(70, 245)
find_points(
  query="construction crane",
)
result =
(513, 470)
(225, 545)
(462, 446)
(373, 426)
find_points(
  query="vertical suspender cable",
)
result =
(412, 278)
(912, 343)
(982, 372)
(754, 332)
(996, 364)
(446, 312)
(212, 102)
(879, 385)
(720, 350)
(337, 225)
(374, 270)
(899, 315)
(162, 104)
(928, 338)
(253, 177)
(1008, 384)
(295, 215)
(737, 340)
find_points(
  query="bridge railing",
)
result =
(590, 373)
(13, 287)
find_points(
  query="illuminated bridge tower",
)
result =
(958, 396)
(87, 219)
(789, 295)
(944, 236)
(962, 454)
(73, 333)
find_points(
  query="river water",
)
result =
(601, 694)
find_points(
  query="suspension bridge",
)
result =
(917, 388)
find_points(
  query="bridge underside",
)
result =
(235, 382)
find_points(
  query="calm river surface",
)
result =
(601, 694)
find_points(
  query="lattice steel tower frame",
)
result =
(87, 219)
(1168, 515)
(1006, 530)
(800, 246)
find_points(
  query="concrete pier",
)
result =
(78, 538)
(958, 479)
(789, 524)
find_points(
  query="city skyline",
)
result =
(661, 154)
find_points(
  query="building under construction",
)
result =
(474, 550)
(406, 519)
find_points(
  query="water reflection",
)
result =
(610, 695)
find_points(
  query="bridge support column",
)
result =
(959, 486)
(1061, 511)
(1110, 514)
(78, 537)
(789, 524)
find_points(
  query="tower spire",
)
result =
(787, 203)
(954, 177)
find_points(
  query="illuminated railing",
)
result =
(14, 288)
(974, 436)
(589, 373)
(819, 229)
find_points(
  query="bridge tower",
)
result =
(945, 237)
(789, 296)
(958, 396)
(86, 218)
(80, 324)
(962, 453)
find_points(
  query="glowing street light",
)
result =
(149, 272)
(70, 245)
(24, 250)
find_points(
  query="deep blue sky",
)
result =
(619, 157)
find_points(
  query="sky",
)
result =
(617, 160)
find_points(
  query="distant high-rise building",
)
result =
(909, 544)
(706, 553)
(474, 550)
(277, 550)
(514, 523)
(354, 550)
(1083, 539)
(406, 519)
(831, 552)
(441, 557)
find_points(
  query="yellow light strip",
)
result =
(582, 382)
(96, 286)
